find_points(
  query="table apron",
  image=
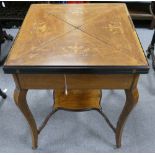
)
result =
(74, 81)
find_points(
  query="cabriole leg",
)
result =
(20, 100)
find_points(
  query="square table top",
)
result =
(77, 38)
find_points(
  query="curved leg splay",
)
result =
(20, 100)
(131, 100)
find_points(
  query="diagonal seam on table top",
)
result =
(38, 48)
(78, 27)
(57, 38)
(46, 42)
(89, 20)
(86, 20)
(85, 24)
(81, 32)
(75, 27)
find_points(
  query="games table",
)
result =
(77, 50)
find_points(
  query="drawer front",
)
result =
(74, 81)
(99, 81)
(41, 81)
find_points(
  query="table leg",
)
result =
(131, 100)
(20, 100)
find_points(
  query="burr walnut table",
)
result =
(76, 50)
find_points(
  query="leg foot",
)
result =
(20, 100)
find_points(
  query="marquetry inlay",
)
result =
(77, 35)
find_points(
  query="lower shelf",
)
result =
(77, 99)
